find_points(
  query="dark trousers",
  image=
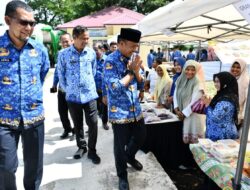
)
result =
(63, 111)
(76, 112)
(102, 109)
(128, 138)
(32, 141)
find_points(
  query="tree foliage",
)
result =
(54, 12)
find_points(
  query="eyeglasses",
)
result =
(25, 22)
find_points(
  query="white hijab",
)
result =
(243, 82)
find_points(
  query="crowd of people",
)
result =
(200, 55)
(109, 82)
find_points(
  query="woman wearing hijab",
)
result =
(178, 66)
(240, 72)
(221, 111)
(188, 90)
(163, 85)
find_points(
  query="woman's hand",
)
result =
(169, 99)
(141, 96)
(179, 114)
(206, 100)
(176, 110)
(159, 106)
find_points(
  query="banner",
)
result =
(228, 52)
(244, 9)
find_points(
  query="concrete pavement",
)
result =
(62, 172)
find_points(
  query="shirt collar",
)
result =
(122, 58)
(7, 41)
(73, 49)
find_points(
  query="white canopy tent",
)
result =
(201, 20)
(195, 20)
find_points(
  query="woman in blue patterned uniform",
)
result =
(222, 110)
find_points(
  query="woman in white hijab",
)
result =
(189, 90)
(163, 86)
(240, 72)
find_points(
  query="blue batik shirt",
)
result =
(99, 73)
(22, 73)
(56, 79)
(76, 71)
(190, 56)
(123, 102)
(220, 121)
(150, 59)
(175, 55)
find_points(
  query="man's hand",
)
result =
(135, 64)
(104, 100)
(53, 89)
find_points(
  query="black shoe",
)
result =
(105, 126)
(135, 164)
(123, 184)
(80, 152)
(64, 135)
(72, 137)
(94, 157)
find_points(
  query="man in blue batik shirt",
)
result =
(65, 40)
(176, 54)
(123, 80)
(24, 64)
(190, 55)
(76, 71)
(150, 58)
(101, 107)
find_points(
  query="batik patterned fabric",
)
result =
(220, 173)
(76, 73)
(123, 102)
(99, 73)
(22, 73)
(220, 121)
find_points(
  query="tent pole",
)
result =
(199, 51)
(220, 66)
(168, 52)
(243, 145)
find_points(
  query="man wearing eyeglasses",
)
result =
(24, 64)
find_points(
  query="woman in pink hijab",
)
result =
(240, 72)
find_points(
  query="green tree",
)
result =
(54, 12)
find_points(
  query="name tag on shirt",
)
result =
(4, 60)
